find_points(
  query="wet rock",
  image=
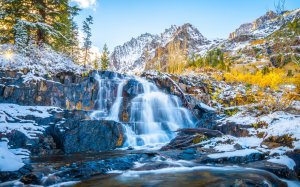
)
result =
(32, 178)
(233, 159)
(14, 175)
(188, 154)
(51, 180)
(278, 169)
(88, 135)
(191, 136)
(155, 166)
(207, 132)
(133, 88)
(87, 169)
(295, 155)
(184, 141)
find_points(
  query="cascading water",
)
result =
(153, 115)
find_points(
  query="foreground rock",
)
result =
(189, 137)
(88, 135)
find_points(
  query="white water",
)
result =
(154, 115)
(102, 97)
(115, 109)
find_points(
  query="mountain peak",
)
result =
(133, 55)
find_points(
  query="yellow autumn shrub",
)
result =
(274, 79)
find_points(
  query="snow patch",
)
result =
(8, 160)
(238, 153)
(284, 160)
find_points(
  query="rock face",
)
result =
(133, 55)
(65, 90)
(88, 135)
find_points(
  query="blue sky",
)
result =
(117, 21)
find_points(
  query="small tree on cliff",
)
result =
(105, 58)
(87, 38)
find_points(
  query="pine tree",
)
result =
(105, 58)
(87, 39)
(10, 12)
(47, 21)
(21, 36)
(74, 50)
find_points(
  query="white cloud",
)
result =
(85, 3)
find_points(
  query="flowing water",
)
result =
(153, 118)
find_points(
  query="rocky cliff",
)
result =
(133, 55)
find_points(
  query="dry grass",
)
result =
(258, 42)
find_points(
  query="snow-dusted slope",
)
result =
(38, 60)
(265, 25)
(131, 57)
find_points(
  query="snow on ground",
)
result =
(8, 160)
(11, 114)
(41, 61)
(14, 110)
(10, 120)
(284, 160)
(238, 153)
(279, 124)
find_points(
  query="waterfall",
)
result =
(115, 109)
(153, 115)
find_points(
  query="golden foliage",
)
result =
(177, 59)
(274, 79)
(258, 42)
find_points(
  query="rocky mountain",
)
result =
(258, 24)
(263, 27)
(264, 40)
(133, 55)
(149, 51)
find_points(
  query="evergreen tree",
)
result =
(21, 36)
(47, 21)
(105, 58)
(74, 51)
(87, 38)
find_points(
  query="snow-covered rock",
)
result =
(284, 160)
(38, 60)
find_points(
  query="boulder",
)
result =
(207, 132)
(133, 88)
(278, 169)
(88, 135)
(233, 159)
(189, 137)
(295, 155)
